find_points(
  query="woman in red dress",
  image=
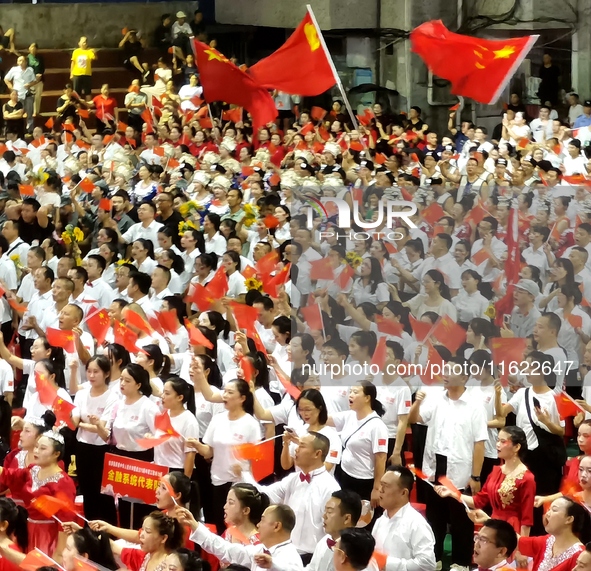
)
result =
(571, 469)
(569, 529)
(510, 487)
(159, 537)
(43, 478)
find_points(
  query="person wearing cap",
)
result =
(525, 313)
(181, 32)
(584, 120)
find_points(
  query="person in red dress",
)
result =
(43, 478)
(13, 534)
(569, 529)
(510, 488)
(571, 469)
(159, 537)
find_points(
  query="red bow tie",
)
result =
(330, 542)
(305, 477)
(266, 552)
(88, 284)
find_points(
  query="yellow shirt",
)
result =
(82, 62)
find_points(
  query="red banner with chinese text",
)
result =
(128, 478)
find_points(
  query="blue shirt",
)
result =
(582, 121)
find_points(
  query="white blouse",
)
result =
(133, 422)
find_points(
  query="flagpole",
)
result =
(334, 69)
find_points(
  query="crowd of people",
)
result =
(174, 275)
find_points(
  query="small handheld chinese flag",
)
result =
(46, 391)
(420, 328)
(448, 333)
(63, 411)
(125, 337)
(196, 337)
(61, 338)
(566, 405)
(86, 185)
(98, 324)
(244, 315)
(168, 320)
(432, 213)
(36, 559)
(201, 297)
(321, 269)
(218, 285)
(163, 423)
(134, 319)
(389, 326)
(476, 67)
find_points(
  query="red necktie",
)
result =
(266, 552)
(330, 542)
(305, 477)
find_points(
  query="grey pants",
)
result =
(29, 105)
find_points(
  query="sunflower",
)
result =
(490, 312)
(250, 215)
(185, 226)
(189, 208)
(78, 234)
(121, 262)
(354, 259)
(253, 283)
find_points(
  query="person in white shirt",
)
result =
(160, 280)
(236, 281)
(135, 417)
(138, 291)
(275, 552)
(537, 415)
(442, 260)
(342, 511)
(214, 241)
(457, 431)
(35, 259)
(146, 228)
(469, 302)
(365, 442)
(95, 266)
(176, 453)
(95, 406)
(234, 426)
(575, 109)
(495, 543)
(305, 492)
(16, 245)
(353, 550)
(491, 267)
(401, 532)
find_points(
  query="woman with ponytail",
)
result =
(157, 364)
(178, 342)
(185, 494)
(214, 321)
(365, 443)
(14, 535)
(51, 372)
(234, 426)
(186, 560)
(243, 510)
(174, 453)
(84, 543)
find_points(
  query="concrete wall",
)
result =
(331, 14)
(61, 25)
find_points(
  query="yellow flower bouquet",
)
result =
(354, 259)
(185, 226)
(72, 235)
(190, 208)
(250, 215)
(253, 283)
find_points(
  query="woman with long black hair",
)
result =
(142, 252)
(157, 364)
(215, 321)
(87, 544)
(178, 342)
(119, 358)
(370, 285)
(95, 407)
(178, 401)
(14, 534)
(234, 426)
(134, 419)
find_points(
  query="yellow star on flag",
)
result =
(504, 53)
(212, 54)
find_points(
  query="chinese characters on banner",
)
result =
(126, 477)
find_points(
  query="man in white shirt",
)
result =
(97, 287)
(16, 245)
(82, 296)
(545, 334)
(490, 268)
(138, 291)
(579, 256)
(40, 301)
(541, 127)
(146, 228)
(275, 552)
(305, 492)
(401, 532)
(267, 314)
(575, 110)
(354, 550)
(342, 511)
(455, 449)
(21, 78)
(160, 281)
(148, 155)
(443, 261)
(582, 236)
(494, 543)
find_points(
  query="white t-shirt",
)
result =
(546, 401)
(6, 378)
(397, 400)
(172, 452)
(102, 406)
(335, 445)
(205, 410)
(362, 439)
(133, 422)
(222, 435)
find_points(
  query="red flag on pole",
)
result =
(46, 391)
(223, 81)
(125, 337)
(321, 270)
(476, 67)
(244, 315)
(63, 411)
(312, 315)
(448, 333)
(162, 422)
(300, 66)
(507, 350)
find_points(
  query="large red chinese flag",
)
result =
(223, 81)
(476, 67)
(300, 66)
(448, 333)
(566, 405)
